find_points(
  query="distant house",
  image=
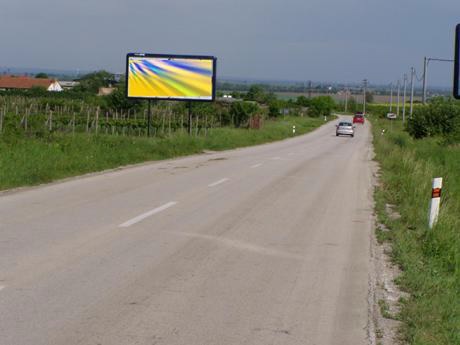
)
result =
(10, 82)
(67, 84)
(105, 91)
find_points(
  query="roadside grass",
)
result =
(429, 259)
(31, 160)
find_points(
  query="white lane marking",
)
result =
(2, 287)
(256, 165)
(218, 182)
(291, 154)
(276, 158)
(147, 214)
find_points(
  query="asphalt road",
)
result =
(262, 245)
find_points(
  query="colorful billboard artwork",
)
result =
(170, 77)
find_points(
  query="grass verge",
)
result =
(429, 259)
(31, 161)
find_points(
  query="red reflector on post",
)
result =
(436, 193)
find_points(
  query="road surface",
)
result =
(262, 245)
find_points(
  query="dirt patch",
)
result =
(384, 294)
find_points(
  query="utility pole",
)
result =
(426, 61)
(399, 89)
(346, 100)
(364, 96)
(391, 97)
(404, 98)
(425, 67)
(309, 89)
(412, 74)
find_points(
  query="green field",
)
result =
(429, 259)
(32, 160)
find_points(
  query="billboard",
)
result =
(170, 77)
(457, 63)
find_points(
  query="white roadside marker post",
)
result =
(435, 201)
(293, 130)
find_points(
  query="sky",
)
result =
(319, 40)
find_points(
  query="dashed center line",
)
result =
(276, 158)
(2, 287)
(256, 165)
(218, 182)
(147, 214)
(291, 154)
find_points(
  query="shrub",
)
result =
(321, 106)
(440, 117)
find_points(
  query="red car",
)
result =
(358, 118)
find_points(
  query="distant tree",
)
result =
(242, 111)
(236, 94)
(93, 81)
(256, 93)
(303, 101)
(41, 76)
(321, 106)
(274, 108)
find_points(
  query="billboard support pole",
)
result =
(149, 119)
(189, 118)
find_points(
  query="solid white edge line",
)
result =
(218, 182)
(256, 165)
(147, 214)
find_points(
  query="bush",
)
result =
(321, 106)
(440, 117)
(242, 111)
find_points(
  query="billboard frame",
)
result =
(456, 90)
(174, 56)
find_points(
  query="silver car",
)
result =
(345, 128)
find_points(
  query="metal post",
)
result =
(404, 98)
(364, 96)
(346, 100)
(190, 118)
(425, 70)
(399, 89)
(391, 97)
(149, 117)
(412, 74)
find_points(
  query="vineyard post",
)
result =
(50, 122)
(169, 120)
(106, 122)
(149, 120)
(190, 118)
(87, 120)
(1, 121)
(73, 123)
(97, 120)
(206, 126)
(25, 120)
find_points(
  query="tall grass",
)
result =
(430, 259)
(33, 160)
